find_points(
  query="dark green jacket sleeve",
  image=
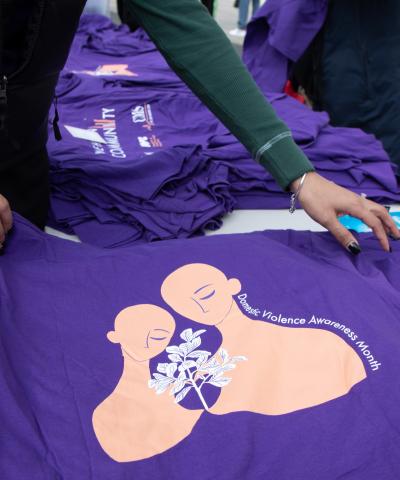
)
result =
(199, 52)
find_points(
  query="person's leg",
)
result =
(256, 6)
(243, 13)
(209, 4)
(25, 182)
(24, 166)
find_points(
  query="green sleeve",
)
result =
(199, 52)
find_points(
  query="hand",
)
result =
(324, 201)
(5, 219)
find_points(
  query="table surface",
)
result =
(242, 221)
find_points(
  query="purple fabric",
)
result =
(278, 35)
(59, 299)
(169, 168)
(137, 186)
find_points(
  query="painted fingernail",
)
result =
(388, 207)
(354, 248)
(393, 237)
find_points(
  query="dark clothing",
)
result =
(32, 63)
(125, 15)
(209, 4)
(352, 69)
(194, 46)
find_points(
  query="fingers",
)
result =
(377, 227)
(387, 221)
(5, 220)
(377, 218)
(5, 214)
(342, 235)
(2, 235)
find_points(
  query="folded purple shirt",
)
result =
(168, 168)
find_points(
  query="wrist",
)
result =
(294, 186)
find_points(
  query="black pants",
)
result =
(24, 170)
(209, 4)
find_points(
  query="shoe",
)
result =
(238, 32)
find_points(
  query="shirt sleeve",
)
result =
(199, 52)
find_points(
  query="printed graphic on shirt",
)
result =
(121, 422)
(299, 367)
(108, 126)
(143, 114)
(120, 70)
(148, 142)
(83, 134)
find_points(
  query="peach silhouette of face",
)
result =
(200, 292)
(144, 331)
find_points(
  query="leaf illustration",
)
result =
(194, 368)
(160, 388)
(198, 333)
(198, 353)
(162, 367)
(219, 382)
(174, 357)
(177, 387)
(152, 383)
(196, 342)
(184, 348)
(212, 363)
(182, 394)
(238, 358)
(187, 335)
(188, 364)
(223, 354)
(171, 369)
(222, 369)
(172, 349)
(201, 359)
(182, 375)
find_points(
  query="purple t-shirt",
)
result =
(192, 359)
(278, 35)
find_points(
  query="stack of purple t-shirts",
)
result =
(113, 54)
(143, 176)
(168, 168)
(346, 156)
(101, 351)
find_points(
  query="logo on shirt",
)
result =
(148, 142)
(143, 114)
(121, 70)
(107, 125)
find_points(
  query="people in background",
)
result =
(244, 6)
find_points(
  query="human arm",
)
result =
(200, 53)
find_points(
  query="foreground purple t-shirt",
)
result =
(80, 398)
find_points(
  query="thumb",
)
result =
(343, 236)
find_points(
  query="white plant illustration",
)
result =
(192, 369)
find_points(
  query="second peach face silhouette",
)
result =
(287, 369)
